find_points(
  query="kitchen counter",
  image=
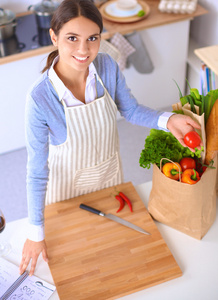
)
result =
(154, 19)
(198, 260)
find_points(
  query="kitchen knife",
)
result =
(113, 218)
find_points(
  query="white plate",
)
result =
(114, 11)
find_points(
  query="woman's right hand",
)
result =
(31, 251)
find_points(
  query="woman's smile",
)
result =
(81, 59)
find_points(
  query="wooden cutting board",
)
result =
(91, 257)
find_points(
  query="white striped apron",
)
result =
(89, 159)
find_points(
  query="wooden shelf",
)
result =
(209, 55)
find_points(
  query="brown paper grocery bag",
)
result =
(217, 177)
(190, 209)
(200, 119)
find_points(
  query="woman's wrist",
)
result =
(36, 233)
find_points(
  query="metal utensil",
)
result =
(113, 218)
(8, 24)
(39, 283)
(44, 12)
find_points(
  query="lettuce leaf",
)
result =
(161, 144)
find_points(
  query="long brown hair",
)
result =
(68, 10)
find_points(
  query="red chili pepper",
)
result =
(120, 199)
(126, 200)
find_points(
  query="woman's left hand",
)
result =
(179, 125)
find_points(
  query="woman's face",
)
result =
(78, 43)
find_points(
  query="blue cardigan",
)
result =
(45, 123)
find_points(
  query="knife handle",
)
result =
(91, 209)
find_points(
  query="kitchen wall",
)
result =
(204, 29)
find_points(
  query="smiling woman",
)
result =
(69, 11)
(78, 44)
(71, 120)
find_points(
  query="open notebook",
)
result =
(15, 286)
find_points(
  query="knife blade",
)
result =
(113, 218)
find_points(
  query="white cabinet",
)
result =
(15, 80)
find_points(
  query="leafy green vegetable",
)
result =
(202, 105)
(195, 93)
(161, 144)
(180, 93)
(179, 111)
(188, 83)
(184, 100)
(205, 103)
(191, 102)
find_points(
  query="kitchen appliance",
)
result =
(44, 12)
(27, 37)
(42, 37)
(8, 24)
(10, 46)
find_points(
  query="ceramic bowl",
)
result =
(126, 4)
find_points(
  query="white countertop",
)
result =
(198, 261)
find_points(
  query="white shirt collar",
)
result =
(60, 88)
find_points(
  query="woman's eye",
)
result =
(72, 38)
(93, 38)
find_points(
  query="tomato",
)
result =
(192, 139)
(187, 163)
(201, 168)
